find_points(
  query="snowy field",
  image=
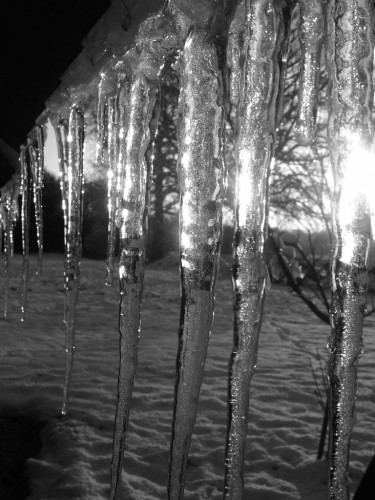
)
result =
(285, 416)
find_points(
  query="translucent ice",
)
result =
(36, 157)
(349, 61)
(311, 40)
(70, 140)
(8, 218)
(107, 89)
(39, 185)
(25, 220)
(112, 184)
(202, 187)
(235, 44)
(133, 142)
(139, 75)
(260, 76)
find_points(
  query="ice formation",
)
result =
(25, 220)
(70, 140)
(36, 159)
(311, 41)
(133, 207)
(112, 184)
(349, 61)
(202, 188)
(107, 154)
(8, 217)
(39, 194)
(254, 47)
(31, 177)
(256, 123)
(137, 95)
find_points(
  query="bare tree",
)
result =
(164, 187)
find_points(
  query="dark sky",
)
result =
(39, 39)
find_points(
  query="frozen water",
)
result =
(38, 185)
(36, 158)
(311, 34)
(202, 188)
(132, 207)
(127, 121)
(70, 139)
(349, 60)
(112, 185)
(25, 219)
(8, 217)
(256, 124)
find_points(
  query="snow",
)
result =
(285, 416)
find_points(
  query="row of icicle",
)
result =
(28, 181)
(127, 122)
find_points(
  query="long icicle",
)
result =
(39, 196)
(113, 138)
(256, 125)
(133, 232)
(8, 218)
(311, 35)
(202, 187)
(122, 129)
(61, 131)
(25, 220)
(102, 121)
(70, 140)
(349, 61)
(36, 168)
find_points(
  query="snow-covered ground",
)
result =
(285, 416)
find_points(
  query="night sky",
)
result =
(39, 39)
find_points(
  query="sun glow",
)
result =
(357, 196)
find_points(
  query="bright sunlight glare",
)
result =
(357, 193)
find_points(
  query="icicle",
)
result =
(257, 116)
(110, 131)
(349, 61)
(8, 217)
(112, 185)
(25, 219)
(122, 130)
(37, 176)
(235, 43)
(133, 232)
(288, 9)
(108, 87)
(101, 119)
(202, 187)
(312, 34)
(61, 132)
(7, 256)
(39, 197)
(70, 141)
(141, 69)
